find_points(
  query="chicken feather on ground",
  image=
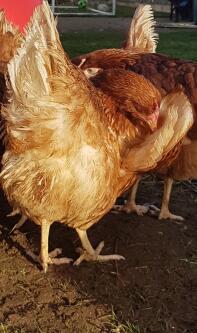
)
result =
(167, 74)
(63, 156)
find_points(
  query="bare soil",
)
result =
(153, 290)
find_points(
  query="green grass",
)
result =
(79, 43)
(124, 11)
(180, 43)
(117, 326)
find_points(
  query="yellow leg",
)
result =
(164, 212)
(90, 254)
(45, 257)
(130, 206)
(44, 252)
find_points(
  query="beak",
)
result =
(152, 119)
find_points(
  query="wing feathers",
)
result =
(176, 117)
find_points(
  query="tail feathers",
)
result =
(142, 33)
(10, 40)
(45, 88)
(6, 26)
(176, 118)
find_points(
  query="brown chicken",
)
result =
(141, 38)
(166, 74)
(64, 160)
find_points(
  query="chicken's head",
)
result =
(135, 96)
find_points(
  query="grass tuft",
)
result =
(177, 43)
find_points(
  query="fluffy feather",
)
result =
(49, 172)
(142, 33)
(176, 117)
(63, 158)
(141, 38)
(167, 74)
(10, 39)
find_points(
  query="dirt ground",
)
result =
(153, 290)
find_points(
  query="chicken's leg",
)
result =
(164, 212)
(130, 206)
(45, 257)
(88, 253)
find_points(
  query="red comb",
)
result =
(19, 12)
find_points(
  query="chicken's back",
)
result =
(169, 74)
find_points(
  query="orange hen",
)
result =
(167, 74)
(64, 158)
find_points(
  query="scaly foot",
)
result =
(51, 259)
(165, 214)
(138, 209)
(95, 256)
(132, 208)
(153, 210)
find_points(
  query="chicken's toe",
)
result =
(167, 215)
(14, 212)
(132, 208)
(51, 259)
(153, 210)
(138, 209)
(20, 223)
(95, 256)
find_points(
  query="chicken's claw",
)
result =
(153, 210)
(138, 209)
(127, 208)
(51, 259)
(164, 214)
(20, 223)
(167, 215)
(84, 255)
(14, 212)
